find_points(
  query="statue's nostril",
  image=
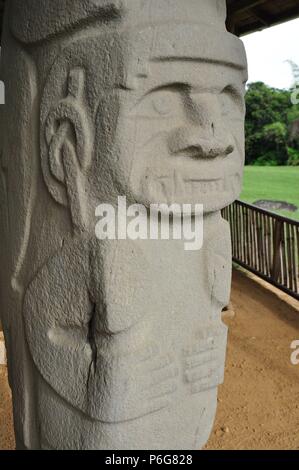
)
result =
(229, 149)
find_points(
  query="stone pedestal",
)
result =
(116, 344)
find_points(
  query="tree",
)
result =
(268, 118)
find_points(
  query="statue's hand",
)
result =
(204, 360)
(132, 385)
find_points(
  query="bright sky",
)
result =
(267, 52)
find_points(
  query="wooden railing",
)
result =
(266, 244)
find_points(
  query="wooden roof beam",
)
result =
(242, 5)
(266, 20)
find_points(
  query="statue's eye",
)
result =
(232, 102)
(162, 103)
(159, 104)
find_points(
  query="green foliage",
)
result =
(270, 113)
(267, 159)
(293, 159)
(293, 113)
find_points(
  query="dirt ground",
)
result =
(259, 402)
(6, 422)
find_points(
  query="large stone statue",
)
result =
(116, 344)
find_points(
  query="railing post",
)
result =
(278, 237)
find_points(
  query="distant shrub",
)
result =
(268, 159)
(293, 157)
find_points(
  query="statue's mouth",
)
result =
(206, 185)
(177, 187)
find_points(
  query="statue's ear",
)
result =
(67, 143)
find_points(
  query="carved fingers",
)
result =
(138, 384)
(204, 361)
(161, 383)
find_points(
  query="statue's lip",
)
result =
(191, 178)
(201, 180)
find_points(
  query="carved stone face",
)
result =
(154, 127)
(179, 134)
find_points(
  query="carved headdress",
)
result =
(204, 35)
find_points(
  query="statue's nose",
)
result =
(198, 143)
(204, 134)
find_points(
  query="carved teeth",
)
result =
(170, 188)
(206, 187)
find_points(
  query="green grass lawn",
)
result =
(272, 183)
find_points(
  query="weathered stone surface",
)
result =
(116, 344)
